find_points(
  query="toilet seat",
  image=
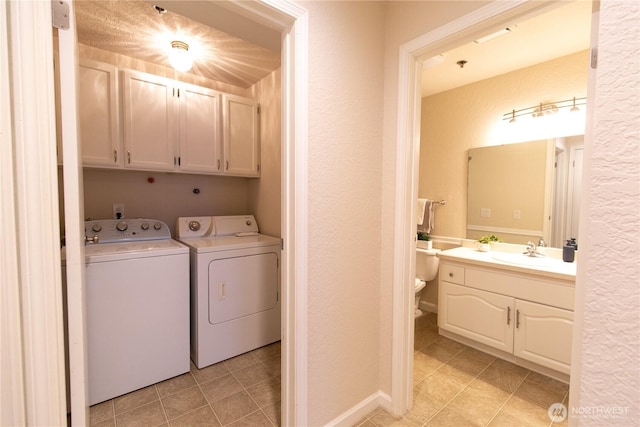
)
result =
(419, 285)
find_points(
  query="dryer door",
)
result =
(242, 286)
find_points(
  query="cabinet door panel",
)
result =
(98, 111)
(482, 316)
(148, 122)
(544, 335)
(241, 138)
(199, 136)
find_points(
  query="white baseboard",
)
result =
(427, 306)
(359, 411)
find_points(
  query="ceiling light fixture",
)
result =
(545, 108)
(496, 34)
(179, 56)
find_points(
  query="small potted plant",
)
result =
(424, 240)
(484, 243)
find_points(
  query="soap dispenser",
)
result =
(569, 251)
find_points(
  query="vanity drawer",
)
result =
(452, 274)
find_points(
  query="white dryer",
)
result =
(235, 286)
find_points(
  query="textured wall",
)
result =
(345, 127)
(606, 383)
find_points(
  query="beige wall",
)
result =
(466, 117)
(171, 195)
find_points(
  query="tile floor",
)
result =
(455, 385)
(242, 391)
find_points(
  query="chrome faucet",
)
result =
(542, 243)
(532, 251)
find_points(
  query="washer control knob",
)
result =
(121, 226)
(248, 222)
(194, 225)
(144, 225)
(96, 228)
(157, 226)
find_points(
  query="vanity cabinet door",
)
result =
(478, 315)
(543, 335)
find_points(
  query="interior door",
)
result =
(73, 223)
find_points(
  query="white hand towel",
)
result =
(426, 225)
(420, 208)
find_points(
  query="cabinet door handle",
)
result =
(508, 315)
(218, 164)
(517, 319)
(129, 156)
(115, 155)
(227, 165)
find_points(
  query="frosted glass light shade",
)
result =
(179, 57)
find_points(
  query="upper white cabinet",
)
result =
(141, 121)
(148, 110)
(98, 110)
(240, 127)
(199, 141)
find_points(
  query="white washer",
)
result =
(235, 286)
(137, 294)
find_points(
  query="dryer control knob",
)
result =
(248, 222)
(157, 226)
(96, 228)
(121, 226)
(144, 225)
(194, 225)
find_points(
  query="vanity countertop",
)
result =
(549, 267)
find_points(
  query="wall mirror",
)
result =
(525, 191)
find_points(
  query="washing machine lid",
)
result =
(225, 243)
(133, 250)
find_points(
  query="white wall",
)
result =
(605, 370)
(346, 48)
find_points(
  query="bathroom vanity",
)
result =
(515, 307)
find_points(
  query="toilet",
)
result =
(426, 270)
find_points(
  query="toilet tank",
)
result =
(427, 264)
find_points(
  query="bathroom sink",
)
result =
(525, 260)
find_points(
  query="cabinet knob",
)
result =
(450, 274)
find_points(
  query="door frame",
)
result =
(495, 15)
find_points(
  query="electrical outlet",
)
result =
(516, 214)
(485, 212)
(118, 210)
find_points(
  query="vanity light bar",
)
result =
(545, 108)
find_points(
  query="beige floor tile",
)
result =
(366, 423)
(150, 414)
(526, 412)
(176, 384)
(441, 351)
(220, 388)
(423, 366)
(508, 366)
(438, 387)
(384, 418)
(471, 361)
(135, 399)
(478, 405)
(504, 420)
(268, 351)
(256, 419)
(506, 380)
(252, 374)
(455, 374)
(201, 417)
(272, 411)
(273, 364)
(539, 394)
(234, 407)
(424, 338)
(547, 382)
(183, 402)
(451, 418)
(111, 422)
(209, 373)
(101, 412)
(242, 361)
(424, 408)
(266, 392)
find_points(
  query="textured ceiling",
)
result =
(136, 29)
